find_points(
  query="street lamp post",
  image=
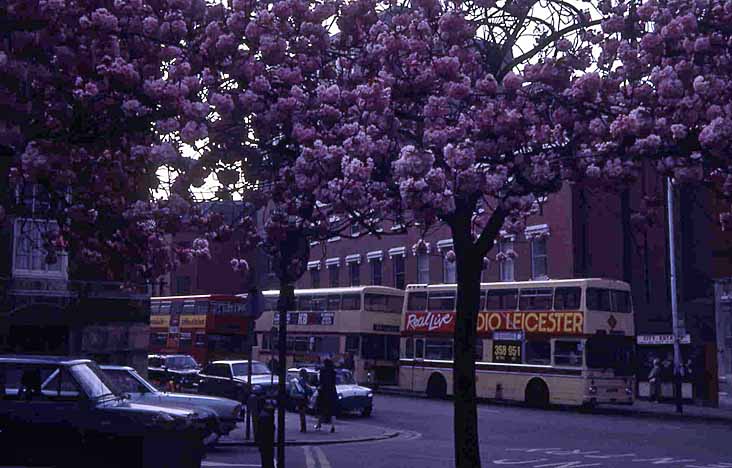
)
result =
(674, 294)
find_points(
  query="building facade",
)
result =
(45, 308)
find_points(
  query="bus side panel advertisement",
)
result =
(159, 321)
(531, 322)
(193, 321)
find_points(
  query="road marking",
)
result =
(663, 460)
(309, 461)
(508, 461)
(324, 463)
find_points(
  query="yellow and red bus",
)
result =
(543, 342)
(357, 327)
(208, 327)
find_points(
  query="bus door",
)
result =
(418, 362)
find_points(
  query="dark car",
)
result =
(62, 411)
(228, 379)
(181, 369)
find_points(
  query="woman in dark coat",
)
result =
(327, 395)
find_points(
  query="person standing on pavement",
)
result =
(654, 380)
(327, 395)
(301, 393)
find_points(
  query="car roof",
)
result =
(167, 355)
(236, 361)
(120, 368)
(36, 359)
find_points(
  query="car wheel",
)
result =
(366, 412)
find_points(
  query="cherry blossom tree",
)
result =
(666, 64)
(96, 97)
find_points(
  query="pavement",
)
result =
(348, 429)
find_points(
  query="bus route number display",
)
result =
(507, 351)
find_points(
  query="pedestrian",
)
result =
(301, 392)
(264, 435)
(654, 380)
(327, 395)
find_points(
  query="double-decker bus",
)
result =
(555, 341)
(357, 327)
(208, 327)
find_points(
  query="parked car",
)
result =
(351, 397)
(226, 412)
(181, 369)
(228, 379)
(67, 412)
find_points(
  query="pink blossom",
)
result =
(103, 19)
(512, 82)
(563, 45)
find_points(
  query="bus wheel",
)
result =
(537, 394)
(436, 387)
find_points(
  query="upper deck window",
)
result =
(441, 300)
(501, 299)
(599, 299)
(536, 299)
(567, 298)
(351, 302)
(417, 301)
(382, 303)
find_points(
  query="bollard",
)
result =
(265, 435)
(253, 408)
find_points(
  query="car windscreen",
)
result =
(240, 369)
(344, 378)
(181, 362)
(93, 381)
(127, 383)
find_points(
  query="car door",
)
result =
(212, 382)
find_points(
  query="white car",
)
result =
(351, 397)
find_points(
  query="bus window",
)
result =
(538, 352)
(334, 302)
(186, 339)
(200, 339)
(373, 346)
(417, 301)
(351, 302)
(201, 307)
(353, 344)
(441, 301)
(567, 298)
(165, 307)
(409, 348)
(392, 347)
(598, 299)
(438, 348)
(394, 304)
(536, 299)
(154, 307)
(621, 301)
(501, 299)
(319, 303)
(305, 303)
(479, 349)
(160, 339)
(270, 303)
(568, 353)
(375, 302)
(419, 348)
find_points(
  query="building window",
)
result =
(354, 272)
(399, 278)
(30, 258)
(448, 269)
(538, 259)
(423, 268)
(315, 278)
(333, 275)
(182, 284)
(376, 266)
(506, 265)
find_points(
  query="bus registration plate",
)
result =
(507, 351)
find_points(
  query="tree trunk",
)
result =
(287, 297)
(467, 450)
